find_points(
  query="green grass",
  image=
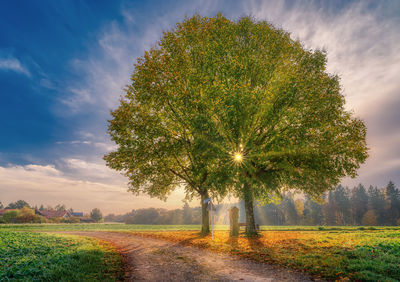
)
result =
(330, 252)
(27, 256)
(98, 227)
(349, 253)
(148, 227)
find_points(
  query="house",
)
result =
(55, 214)
(77, 214)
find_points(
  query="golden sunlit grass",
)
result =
(327, 254)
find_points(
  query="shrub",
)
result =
(27, 215)
(10, 216)
(71, 219)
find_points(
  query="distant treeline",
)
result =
(342, 206)
(186, 215)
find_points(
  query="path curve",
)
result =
(149, 259)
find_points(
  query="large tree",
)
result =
(359, 201)
(277, 117)
(219, 104)
(160, 122)
(377, 202)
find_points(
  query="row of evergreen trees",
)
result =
(342, 206)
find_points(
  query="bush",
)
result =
(72, 219)
(27, 215)
(56, 220)
(10, 216)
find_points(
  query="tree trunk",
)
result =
(205, 219)
(248, 205)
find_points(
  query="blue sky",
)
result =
(63, 65)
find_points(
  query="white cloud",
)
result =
(49, 186)
(363, 48)
(13, 64)
(48, 170)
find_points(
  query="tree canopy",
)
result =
(239, 105)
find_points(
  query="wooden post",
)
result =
(234, 221)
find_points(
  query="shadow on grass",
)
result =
(255, 243)
(233, 242)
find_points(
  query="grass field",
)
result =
(138, 227)
(336, 254)
(355, 253)
(27, 256)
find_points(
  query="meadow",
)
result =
(27, 256)
(339, 253)
(336, 252)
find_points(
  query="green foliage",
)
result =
(152, 227)
(10, 216)
(377, 202)
(393, 203)
(27, 215)
(96, 215)
(359, 201)
(98, 227)
(212, 88)
(17, 205)
(41, 257)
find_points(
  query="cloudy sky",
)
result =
(63, 65)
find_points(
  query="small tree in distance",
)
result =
(96, 215)
(18, 205)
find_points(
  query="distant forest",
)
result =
(341, 206)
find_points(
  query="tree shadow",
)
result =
(188, 241)
(233, 242)
(255, 243)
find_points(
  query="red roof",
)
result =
(53, 214)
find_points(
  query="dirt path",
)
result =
(158, 260)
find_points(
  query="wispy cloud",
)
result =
(50, 186)
(10, 63)
(107, 69)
